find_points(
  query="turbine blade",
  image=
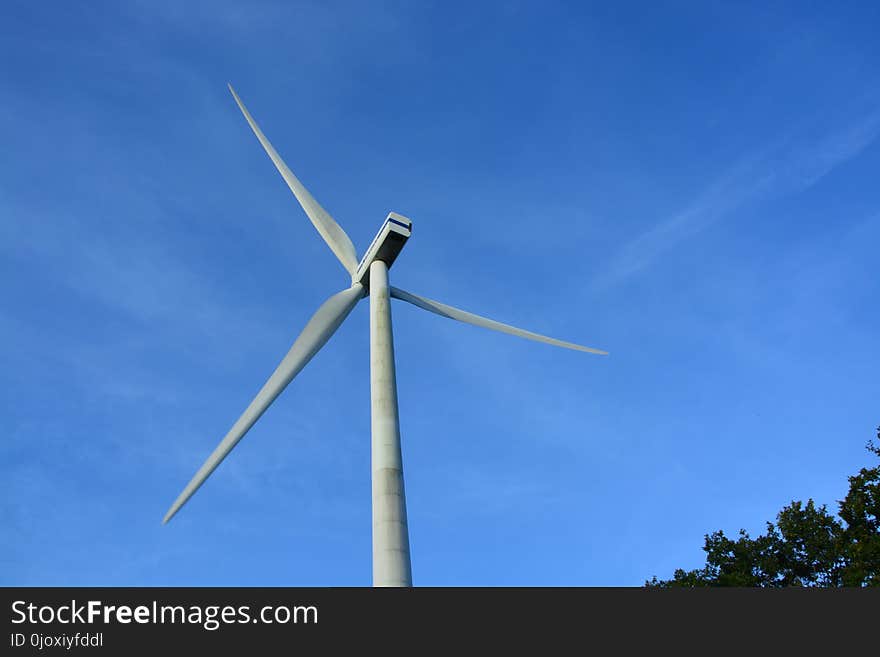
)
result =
(332, 232)
(318, 330)
(469, 318)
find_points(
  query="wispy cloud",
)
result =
(789, 165)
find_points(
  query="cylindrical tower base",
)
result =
(391, 559)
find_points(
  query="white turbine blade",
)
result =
(318, 330)
(336, 238)
(469, 318)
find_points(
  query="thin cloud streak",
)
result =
(783, 168)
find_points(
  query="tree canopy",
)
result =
(807, 546)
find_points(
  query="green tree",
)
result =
(806, 546)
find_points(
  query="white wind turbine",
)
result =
(369, 276)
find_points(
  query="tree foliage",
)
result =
(807, 546)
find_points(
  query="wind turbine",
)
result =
(369, 277)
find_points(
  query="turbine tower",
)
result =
(369, 277)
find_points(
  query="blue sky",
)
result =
(693, 187)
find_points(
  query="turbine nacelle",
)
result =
(385, 246)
